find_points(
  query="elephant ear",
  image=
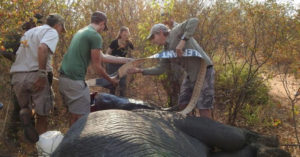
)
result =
(197, 88)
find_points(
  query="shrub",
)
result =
(237, 86)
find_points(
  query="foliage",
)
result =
(233, 80)
(233, 83)
(252, 114)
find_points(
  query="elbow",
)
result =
(41, 48)
(103, 57)
(98, 69)
(194, 20)
(95, 66)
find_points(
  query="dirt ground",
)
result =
(286, 130)
(282, 125)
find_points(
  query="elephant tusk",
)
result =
(197, 89)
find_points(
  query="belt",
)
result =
(30, 71)
(61, 74)
(26, 71)
(209, 66)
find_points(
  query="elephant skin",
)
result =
(121, 131)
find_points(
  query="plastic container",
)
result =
(48, 142)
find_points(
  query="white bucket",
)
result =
(48, 142)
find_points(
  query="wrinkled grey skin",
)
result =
(152, 132)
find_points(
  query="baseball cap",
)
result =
(100, 16)
(56, 18)
(156, 29)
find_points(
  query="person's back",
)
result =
(78, 56)
(27, 56)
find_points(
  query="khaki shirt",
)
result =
(190, 65)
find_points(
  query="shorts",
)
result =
(75, 94)
(206, 98)
(41, 101)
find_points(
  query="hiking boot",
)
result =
(29, 131)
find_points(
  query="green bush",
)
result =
(252, 114)
(230, 82)
(238, 86)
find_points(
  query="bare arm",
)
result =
(113, 59)
(96, 59)
(43, 51)
(108, 51)
(40, 83)
(159, 69)
(188, 29)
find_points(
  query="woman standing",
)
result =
(119, 47)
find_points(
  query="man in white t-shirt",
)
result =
(29, 74)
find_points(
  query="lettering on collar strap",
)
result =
(173, 54)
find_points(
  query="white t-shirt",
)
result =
(27, 54)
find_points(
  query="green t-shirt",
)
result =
(78, 56)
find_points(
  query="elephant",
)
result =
(124, 127)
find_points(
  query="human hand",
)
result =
(114, 81)
(134, 70)
(179, 48)
(39, 84)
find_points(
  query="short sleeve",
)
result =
(114, 44)
(131, 45)
(96, 41)
(50, 39)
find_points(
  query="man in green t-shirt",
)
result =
(85, 49)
